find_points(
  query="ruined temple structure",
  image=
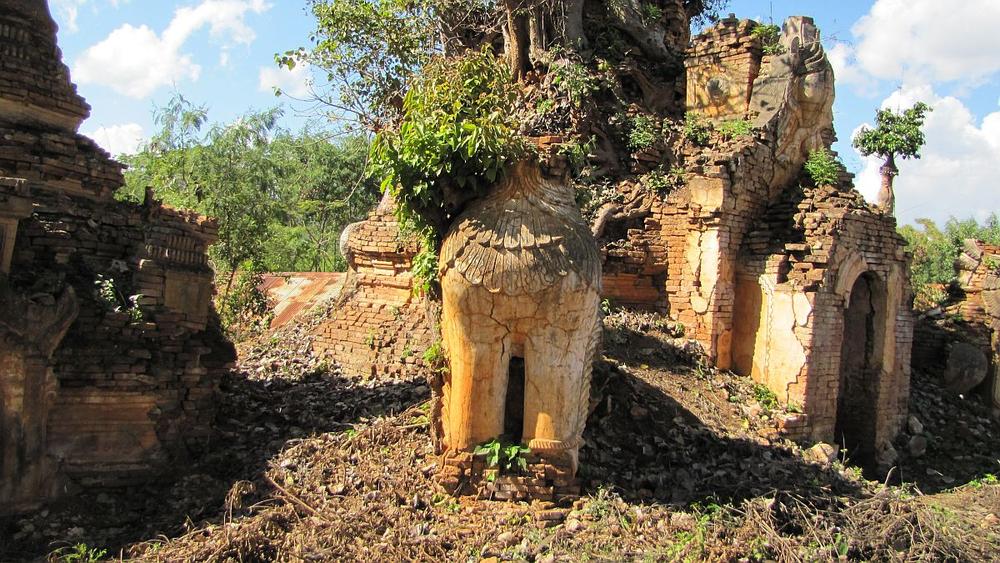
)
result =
(109, 357)
(961, 339)
(380, 327)
(803, 288)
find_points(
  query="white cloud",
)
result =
(296, 82)
(67, 11)
(119, 139)
(956, 174)
(847, 71)
(135, 61)
(929, 40)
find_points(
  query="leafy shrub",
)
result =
(661, 181)
(642, 132)
(458, 131)
(770, 38)
(243, 307)
(79, 553)
(736, 128)
(574, 81)
(697, 129)
(765, 397)
(823, 167)
(576, 153)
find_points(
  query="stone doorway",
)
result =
(861, 360)
(513, 419)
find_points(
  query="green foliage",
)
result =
(576, 153)
(242, 306)
(642, 132)
(823, 167)
(736, 128)
(113, 300)
(988, 479)
(79, 553)
(458, 133)
(369, 51)
(281, 199)
(895, 134)
(935, 250)
(425, 267)
(508, 458)
(697, 129)
(770, 38)
(661, 182)
(765, 397)
(573, 80)
(651, 14)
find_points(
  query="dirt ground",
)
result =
(680, 463)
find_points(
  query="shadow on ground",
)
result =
(257, 418)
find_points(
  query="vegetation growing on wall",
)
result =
(458, 135)
(823, 167)
(935, 250)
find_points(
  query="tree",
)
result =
(894, 135)
(281, 198)
(370, 50)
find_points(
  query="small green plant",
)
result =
(606, 306)
(823, 167)
(770, 38)
(112, 300)
(507, 458)
(424, 267)
(434, 357)
(545, 105)
(988, 479)
(370, 338)
(697, 129)
(661, 182)
(736, 128)
(80, 553)
(243, 307)
(574, 81)
(651, 13)
(765, 397)
(576, 153)
(642, 132)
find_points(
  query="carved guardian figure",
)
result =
(520, 278)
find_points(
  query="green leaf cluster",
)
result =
(736, 128)
(574, 80)
(895, 133)
(508, 458)
(457, 137)
(643, 132)
(823, 167)
(697, 129)
(770, 38)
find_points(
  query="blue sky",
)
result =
(128, 56)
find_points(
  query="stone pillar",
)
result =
(14, 206)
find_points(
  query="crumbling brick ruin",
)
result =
(961, 339)
(109, 357)
(380, 327)
(805, 289)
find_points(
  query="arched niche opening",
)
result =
(513, 419)
(861, 360)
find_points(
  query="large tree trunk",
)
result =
(516, 38)
(573, 25)
(650, 38)
(886, 197)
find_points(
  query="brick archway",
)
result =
(861, 361)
